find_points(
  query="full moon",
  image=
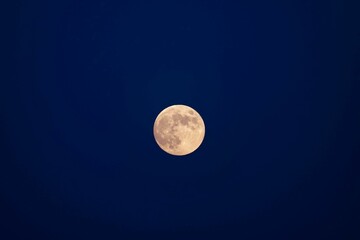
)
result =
(179, 130)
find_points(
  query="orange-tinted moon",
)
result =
(179, 130)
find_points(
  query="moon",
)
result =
(179, 130)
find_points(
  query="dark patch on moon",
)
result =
(184, 120)
(163, 138)
(164, 123)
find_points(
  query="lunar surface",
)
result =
(179, 130)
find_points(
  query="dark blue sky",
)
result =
(276, 82)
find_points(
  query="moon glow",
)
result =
(179, 130)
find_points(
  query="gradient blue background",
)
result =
(277, 84)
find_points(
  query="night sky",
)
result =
(276, 82)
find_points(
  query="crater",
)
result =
(168, 140)
(184, 120)
(164, 124)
